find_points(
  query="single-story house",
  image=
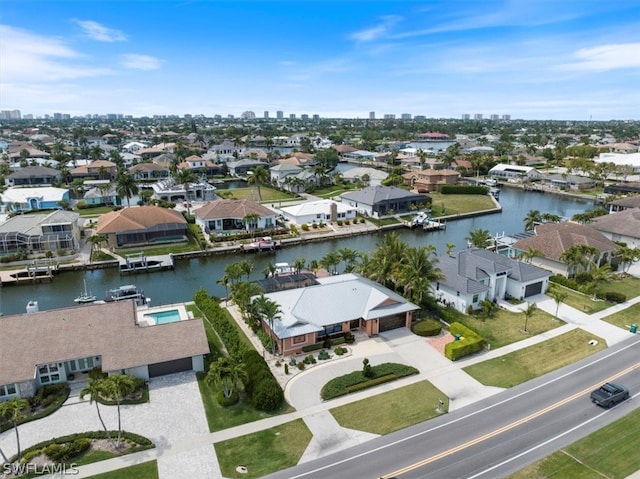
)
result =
(380, 200)
(98, 170)
(169, 190)
(27, 199)
(142, 225)
(475, 275)
(97, 196)
(40, 232)
(234, 216)
(621, 159)
(630, 188)
(568, 182)
(624, 204)
(281, 172)
(375, 176)
(242, 167)
(320, 211)
(553, 239)
(623, 226)
(33, 176)
(149, 171)
(431, 180)
(360, 155)
(339, 304)
(46, 347)
(514, 172)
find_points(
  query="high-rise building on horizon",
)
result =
(466, 116)
(372, 115)
(316, 116)
(292, 116)
(279, 114)
(506, 117)
(477, 116)
(266, 114)
(10, 115)
(405, 116)
(495, 117)
(248, 115)
(304, 117)
(389, 116)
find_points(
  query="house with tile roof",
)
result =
(553, 239)
(475, 275)
(430, 179)
(622, 226)
(381, 200)
(337, 305)
(47, 347)
(39, 233)
(232, 216)
(624, 203)
(142, 225)
(98, 170)
(33, 176)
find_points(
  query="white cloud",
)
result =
(378, 31)
(135, 61)
(605, 57)
(99, 32)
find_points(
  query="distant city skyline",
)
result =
(567, 60)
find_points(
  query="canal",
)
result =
(190, 275)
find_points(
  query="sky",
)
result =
(531, 59)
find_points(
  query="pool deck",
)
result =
(144, 318)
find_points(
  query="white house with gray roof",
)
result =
(337, 305)
(381, 200)
(474, 275)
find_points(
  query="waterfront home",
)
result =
(374, 175)
(337, 305)
(625, 204)
(320, 211)
(142, 225)
(98, 170)
(102, 195)
(281, 172)
(234, 216)
(433, 136)
(39, 233)
(48, 347)
(200, 165)
(169, 190)
(622, 226)
(429, 180)
(553, 239)
(18, 199)
(150, 171)
(15, 151)
(359, 155)
(567, 182)
(380, 200)
(33, 176)
(621, 159)
(475, 275)
(514, 172)
(242, 167)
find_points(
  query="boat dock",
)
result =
(139, 263)
(265, 244)
(434, 225)
(34, 272)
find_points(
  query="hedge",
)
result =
(464, 190)
(312, 347)
(60, 392)
(469, 343)
(261, 387)
(372, 382)
(612, 296)
(427, 327)
(340, 386)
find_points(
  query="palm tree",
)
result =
(531, 308)
(224, 281)
(299, 264)
(558, 295)
(579, 256)
(480, 238)
(329, 261)
(227, 373)
(348, 256)
(12, 412)
(450, 247)
(386, 260)
(489, 308)
(531, 220)
(417, 272)
(126, 186)
(233, 272)
(246, 267)
(530, 253)
(185, 177)
(95, 241)
(269, 270)
(251, 222)
(628, 256)
(95, 389)
(95, 152)
(270, 311)
(259, 177)
(599, 275)
(116, 388)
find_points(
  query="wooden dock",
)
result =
(432, 225)
(139, 263)
(32, 273)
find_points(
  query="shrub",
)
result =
(309, 359)
(227, 401)
(286, 368)
(615, 297)
(349, 338)
(300, 365)
(261, 387)
(315, 226)
(324, 354)
(367, 370)
(427, 327)
(346, 222)
(65, 451)
(305, 227)
(339, 222)
(371, 383)
(311, 347)
(336, 341)
(583, 277)
(470, 343)
(339, 386)
(326, 344)
(340, 350)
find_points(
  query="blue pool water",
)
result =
(165, 317)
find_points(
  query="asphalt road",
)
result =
(497, 436)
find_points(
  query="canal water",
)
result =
(190, 275)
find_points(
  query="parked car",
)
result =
(609, 394)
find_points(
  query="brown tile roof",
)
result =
(146, 167)
(137, 218)
(629, 202)
(552, 239)
(626, 223)
(231, 209)
(342, 149)
(107, 330)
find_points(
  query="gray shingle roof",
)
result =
(376, 194)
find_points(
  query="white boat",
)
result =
(129, 291)
(420, 219)
(284, 268)
(32, 306)
(85, 297)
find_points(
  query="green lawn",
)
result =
(330, 191)
(629, 286)
(98, 210)
(611, 452)
(384, 221)
(268, 194)
(506, 327)
(162, 249)
(443, 205)
(625, 318)
(542, 358)
(215, 343)
(146, 470)
(394, 410)
(264, 452)
(580, 301)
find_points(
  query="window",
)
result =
(8, 390)
(300, 339)
(475, 298)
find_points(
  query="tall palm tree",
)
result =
(418, 271)
(330, 260)
(126, 186)
(117, 387)
(628, 256)
(270, 311)
(95, 241)
(260, 176)
(226, 373)
(246, 267)
(251, 222)
(12, 412)
(599, 274)
(299, 264)
(224, 281)
(559, 295)
(233, 272)
(185, 177)
(528, 312)
(95, 389)
(530, 253)
(348, 256)
(480, 238)
(531, 220)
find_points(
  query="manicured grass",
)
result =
(520, 366)
(625, 318)
(443, 205)
(97, 256)
(219, 418)
(629, 286)
(394, 410)
(506, 327)
(168, 248)
(98, 210)
(265, 451)
(580, 301)
(215, 343)
(268, 194)
(610, 452)
(383, 221)
(330, 191)
(146, 470)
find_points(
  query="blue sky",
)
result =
(532, 59)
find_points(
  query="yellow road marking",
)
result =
(514, 424)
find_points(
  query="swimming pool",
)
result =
(164, 317)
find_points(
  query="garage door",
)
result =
(168, 367)
(391, 322)
(531, 289)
